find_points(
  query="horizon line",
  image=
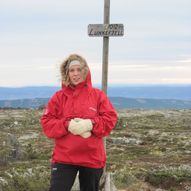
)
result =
(99, 85)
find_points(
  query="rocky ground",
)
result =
(149, 150)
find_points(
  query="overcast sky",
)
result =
(36, 35)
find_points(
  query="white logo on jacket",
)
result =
(93, 109)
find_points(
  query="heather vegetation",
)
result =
(149, 150)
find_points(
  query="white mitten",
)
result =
(79, 126)
(73, 125)
(86, 134)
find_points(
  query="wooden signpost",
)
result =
(106, 30)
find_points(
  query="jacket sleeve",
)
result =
(106, 119)
(53, 125)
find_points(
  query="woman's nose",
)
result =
(76, 72)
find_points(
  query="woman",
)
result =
(77, 117)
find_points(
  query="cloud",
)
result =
(132, 72)
(184, 61)
(37, 35)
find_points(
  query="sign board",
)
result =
(105, 30)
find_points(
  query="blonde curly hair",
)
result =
(64, 68)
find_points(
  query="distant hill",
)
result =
(182, 92)
(27, 92)
(131, 103)
(118, 102)
(146, 97)
(24, 103)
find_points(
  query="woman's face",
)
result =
(76, 74)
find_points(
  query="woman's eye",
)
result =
(73, 70)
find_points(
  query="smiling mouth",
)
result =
(76, 79)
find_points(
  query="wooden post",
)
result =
(105, 56)
(106, 30)
(105, 47)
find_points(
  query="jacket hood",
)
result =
(64, 70)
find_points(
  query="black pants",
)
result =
(63, 177)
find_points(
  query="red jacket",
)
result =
(85, 102)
